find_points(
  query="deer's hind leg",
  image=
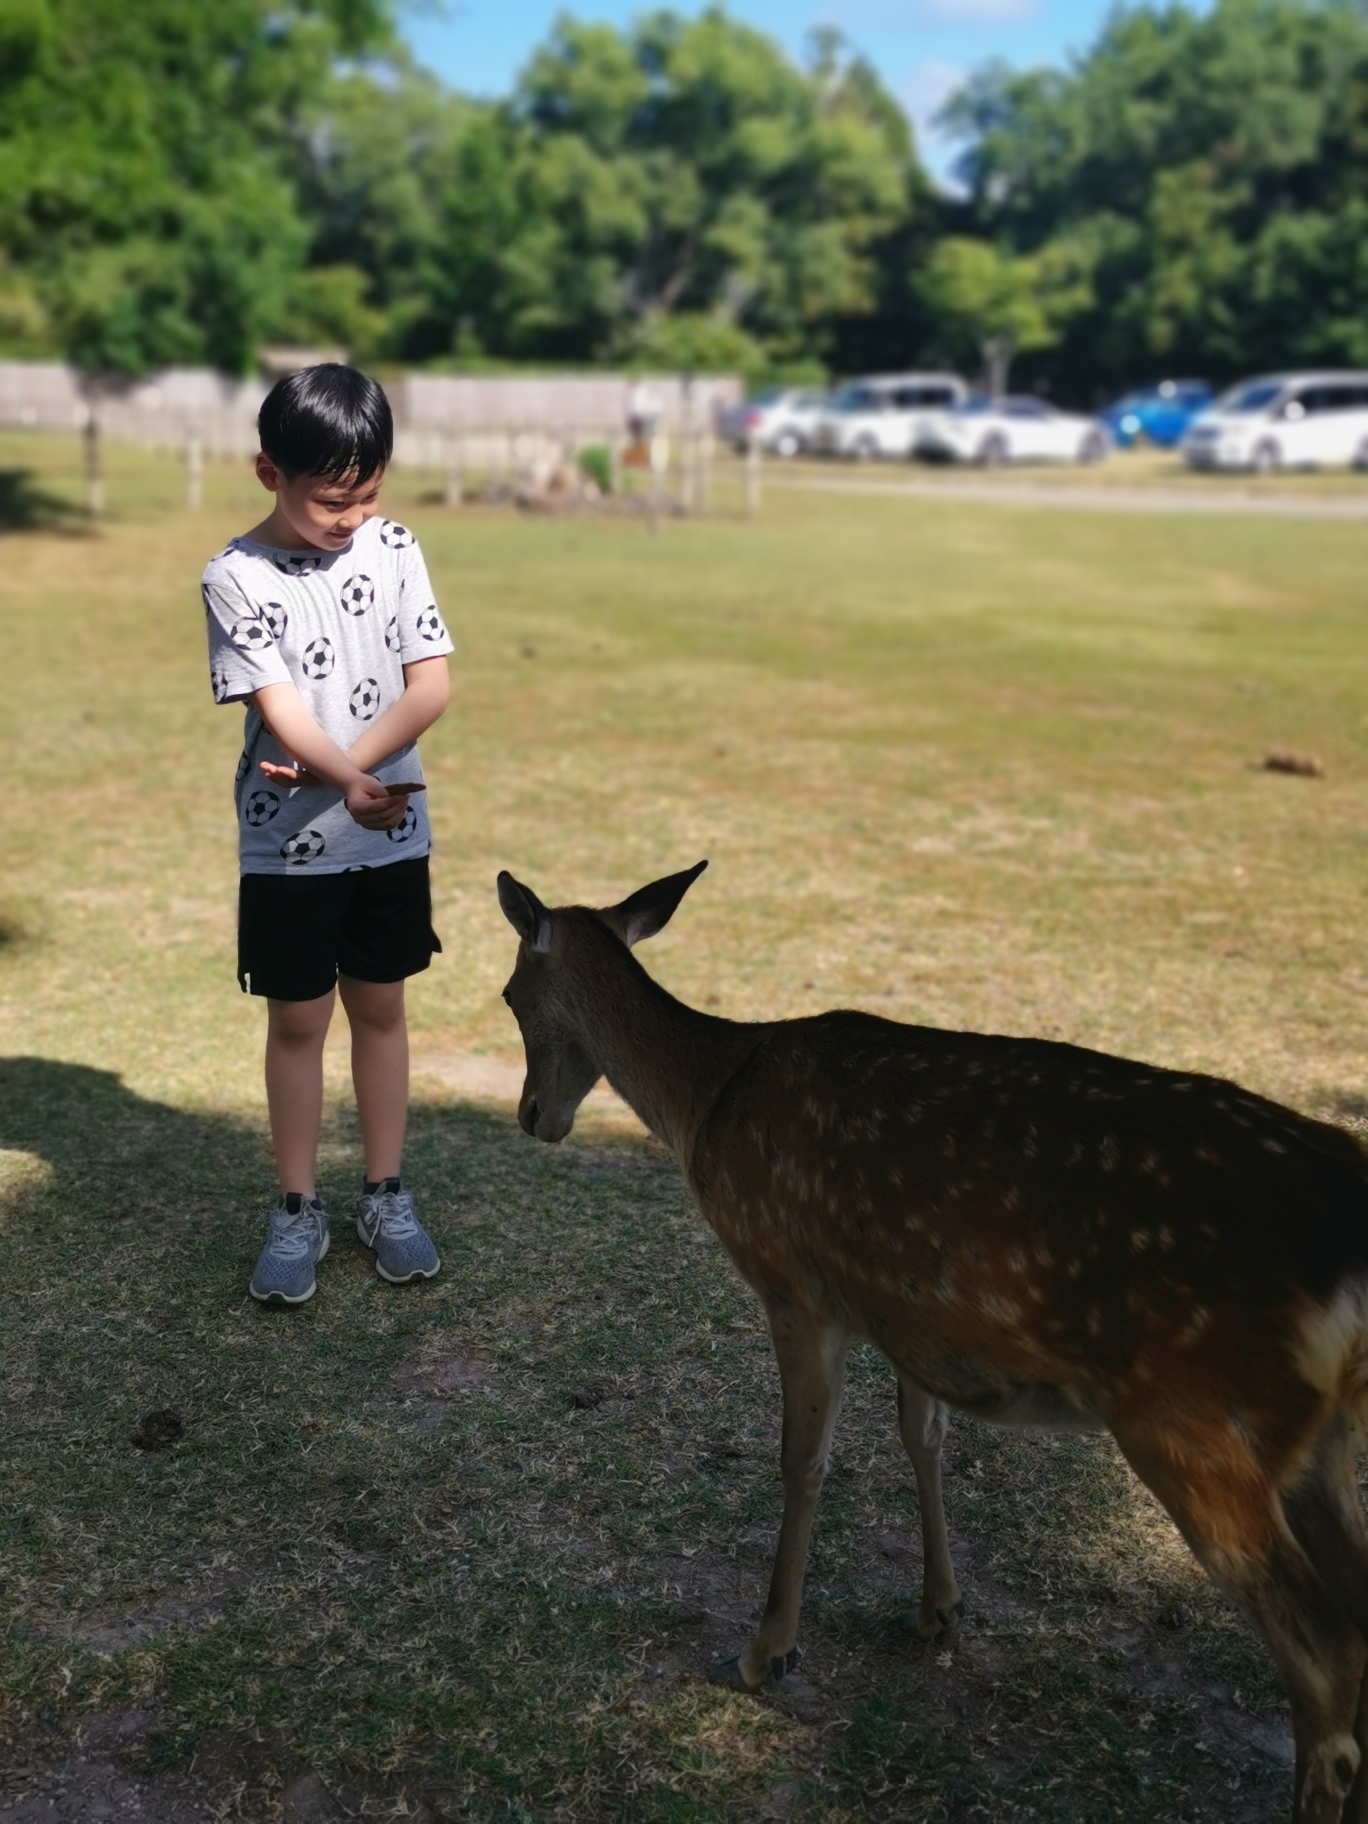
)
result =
(1325, 1512)
(923, 1422)
(1234, 1519)
(811, 1351)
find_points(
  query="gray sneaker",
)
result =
(284, 1272)
(385, 1221)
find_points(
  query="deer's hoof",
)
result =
(728, 1672)
(939, 1624)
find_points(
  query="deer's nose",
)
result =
(527, 1114)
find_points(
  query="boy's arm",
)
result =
(427, 689)
(282, 709)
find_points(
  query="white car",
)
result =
(878, 416)
(782, 420)
(1283, 421)
(1011, 429)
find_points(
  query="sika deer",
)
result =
(1031, 1233)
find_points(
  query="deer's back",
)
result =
(1000, 1213)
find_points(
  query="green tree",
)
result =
(143, 171)
(1211, 170)
(1001, 304)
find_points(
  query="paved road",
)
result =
(1242, 502)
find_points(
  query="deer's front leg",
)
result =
(811, 1350)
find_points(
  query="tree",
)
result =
(142, 180)
(1210, 168)
(1003, 304)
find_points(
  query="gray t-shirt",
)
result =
(340, 626)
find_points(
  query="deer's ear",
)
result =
(525, 912)
(651, 908)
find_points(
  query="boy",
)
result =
(322, 620)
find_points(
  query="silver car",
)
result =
(878, 416)
(781, 420)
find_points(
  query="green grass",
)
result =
(986, 769)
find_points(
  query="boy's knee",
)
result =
(299, 1022)
(378, 1005)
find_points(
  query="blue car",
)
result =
(1158, 413)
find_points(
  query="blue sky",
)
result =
(921, 48)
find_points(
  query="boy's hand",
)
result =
(289, 775)
(374, 806)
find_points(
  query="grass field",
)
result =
(468, 1548)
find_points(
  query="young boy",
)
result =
(322, 621)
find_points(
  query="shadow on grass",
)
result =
(110, 1151)
(395, 1527)
(26, 507)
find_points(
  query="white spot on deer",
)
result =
(1094, 1321)
(1028, 1144)
(1140, 1239)
(1109, 1153)
(1075, 1154)
(1207, 1155)
(1167, 1238)
(1272, 1146)
(1074, 1268)
(894, 1174)
(1331, 1346)
(948, 1147)
(1016, 1260)
(1043, 1256)
(1193, 1328)
(1149, 1163)
(1011, 1197)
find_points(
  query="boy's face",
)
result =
(325, 514)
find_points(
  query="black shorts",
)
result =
(298, 932)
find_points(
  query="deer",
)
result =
(1031, 1233)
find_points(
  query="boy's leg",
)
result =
(380, 1070)
(386, 1219)
(295, 1033)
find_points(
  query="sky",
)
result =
(921, 48)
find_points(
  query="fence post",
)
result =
(194, 468)
(752, 477)
(453, 491)
(705, 450)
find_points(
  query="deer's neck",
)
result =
(667, 1061)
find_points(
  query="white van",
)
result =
(878, 416)
(1283, 421)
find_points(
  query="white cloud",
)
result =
(897, 15)
(975, 12)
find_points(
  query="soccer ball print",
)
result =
(251, 635)
(304, 846)
(429, 624)
(298, 563)
(275, 617)
(243, 763)
(319, 657)
(219, 680)
(398, 538)
(358, 594)
(402, 831)
(261, 807)
(392, 639)
(365, 700)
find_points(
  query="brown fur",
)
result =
(1031, 1233)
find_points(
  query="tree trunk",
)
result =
(94, 457)
(997, 363)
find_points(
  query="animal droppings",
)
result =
(159, 1429)
(1285, 760)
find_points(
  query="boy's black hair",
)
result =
(327, 421)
